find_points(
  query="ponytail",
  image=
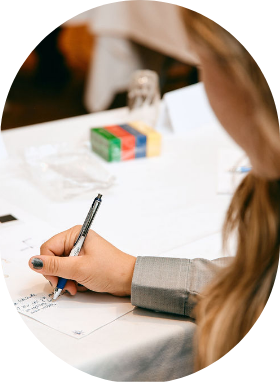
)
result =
(234, 301)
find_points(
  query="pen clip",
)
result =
(82, 231)
(90, 216)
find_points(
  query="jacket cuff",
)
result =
(170, 284)
(160, 284)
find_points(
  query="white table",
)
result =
(159, 206)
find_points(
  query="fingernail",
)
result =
(67, 292)
(37, 263)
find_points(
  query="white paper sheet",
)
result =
(188, 108)
(15, 235)
(76, 315)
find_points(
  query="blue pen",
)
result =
(79, 241)
(241, 169)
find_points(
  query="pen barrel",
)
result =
(90, 216)
(88, 223)
(81, 238)
(75, 252)
(77, 248)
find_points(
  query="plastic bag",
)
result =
(64, 171)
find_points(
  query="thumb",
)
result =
(66, 267)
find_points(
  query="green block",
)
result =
(105, 144)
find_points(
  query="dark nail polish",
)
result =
(37, 263)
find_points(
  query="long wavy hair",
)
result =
(232, 303)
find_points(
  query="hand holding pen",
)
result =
(79, 241)
(101, 267)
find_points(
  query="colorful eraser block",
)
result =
(105, 144)
(153, 137)
(140, 140)
(127, 141)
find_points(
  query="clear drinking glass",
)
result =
(144, 96)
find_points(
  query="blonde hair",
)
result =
(232, 303)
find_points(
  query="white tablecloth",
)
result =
(158, 205)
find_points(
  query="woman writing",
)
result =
(226, 295)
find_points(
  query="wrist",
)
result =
(130, 265)
(125, 275)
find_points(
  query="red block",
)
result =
(127, 141)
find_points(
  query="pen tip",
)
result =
(56, 293)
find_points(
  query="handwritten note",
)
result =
(28, 305)
(31, 293)
(76, 316)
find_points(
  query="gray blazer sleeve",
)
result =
(170, 284)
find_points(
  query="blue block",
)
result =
(140, 140)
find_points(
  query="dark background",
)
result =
(50, 84)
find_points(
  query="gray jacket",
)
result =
(170, 284)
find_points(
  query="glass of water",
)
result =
(144, 96)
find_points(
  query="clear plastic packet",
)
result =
(64, 171)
